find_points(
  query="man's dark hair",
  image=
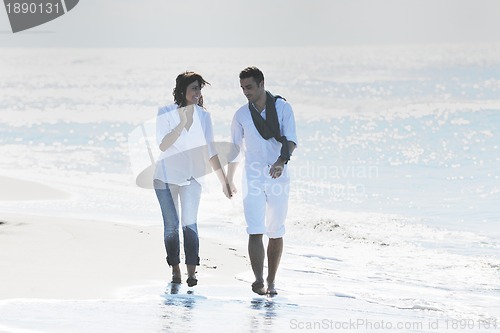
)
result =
(254, 72)
(182, 81)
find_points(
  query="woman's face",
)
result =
(193, 93)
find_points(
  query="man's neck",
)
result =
(260, 104)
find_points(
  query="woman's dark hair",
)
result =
(252, 72)
(182, 81)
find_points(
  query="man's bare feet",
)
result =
(258, 287)
(271, 290)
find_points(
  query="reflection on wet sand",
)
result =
(179, 306)
(264, 314)
(224, 309)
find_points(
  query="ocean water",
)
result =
(393, 218)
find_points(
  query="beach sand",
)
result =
(68, 258)
(12, 189)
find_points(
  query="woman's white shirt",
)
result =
(188, 157)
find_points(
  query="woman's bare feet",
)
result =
(176, 274)
(191, 280)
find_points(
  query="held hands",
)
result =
(229, 189)
(276, 169)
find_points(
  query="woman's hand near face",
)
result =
(183, 115)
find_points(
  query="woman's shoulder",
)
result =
(202, 112)
(167, 108)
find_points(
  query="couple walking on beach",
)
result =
(264, 129)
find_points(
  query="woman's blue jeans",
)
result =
(168, 197)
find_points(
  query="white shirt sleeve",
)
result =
(163, 125)
(237, 138)
(209, 134)
(288, 128)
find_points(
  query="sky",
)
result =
(234, 23)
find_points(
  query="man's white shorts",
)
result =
(266, 204)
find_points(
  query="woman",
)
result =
(185, 137)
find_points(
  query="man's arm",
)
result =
(277, 168)
(289, 131)
(237, 139)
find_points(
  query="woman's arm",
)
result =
(219, 171)
(170, 138)
(214, 159)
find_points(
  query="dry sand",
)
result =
(18, 189)
(62, 258)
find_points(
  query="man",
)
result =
(266, 128)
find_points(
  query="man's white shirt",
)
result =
(259, 153)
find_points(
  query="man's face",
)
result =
(251, 89)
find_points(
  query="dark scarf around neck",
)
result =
(270, 127)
